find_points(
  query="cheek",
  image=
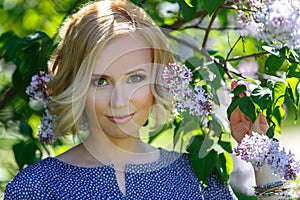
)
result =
(101, 103)
(144, 98)
(94, 102)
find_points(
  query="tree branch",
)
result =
(213, 17)
(182, 21)
(203, 51)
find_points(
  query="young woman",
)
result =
(107, 72)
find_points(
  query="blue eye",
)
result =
(100, 82)
(136, 78)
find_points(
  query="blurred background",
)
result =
(25, 17)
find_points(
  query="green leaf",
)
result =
(294, 70)
(234, 103)
(262, 97)
(276, 118)
(293, 84)
(223, 17)
(26, 129)
(240, 89)
(202, 167)
(212, 51)
(279, 92)
(227, 146)
(273, 63)
(189, 3)
(248, 108)
(224, 166)
(25, 153)
(211, 5)
(187, 11)
(271, 50)
(270, 132)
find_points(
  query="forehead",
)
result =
(122, 54)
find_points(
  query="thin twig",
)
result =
(247, 56)
(203, 51)
(215, 29)
(234, 45)
(182, 21)
(213, 17)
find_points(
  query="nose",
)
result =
(119, 97)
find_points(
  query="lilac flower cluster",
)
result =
(37, 92)
(177, 81)
(275, 22)
(260, 150)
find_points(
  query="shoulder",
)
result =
(29, 181)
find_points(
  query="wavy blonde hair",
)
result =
(84, 34)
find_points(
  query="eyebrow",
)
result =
(130, 72)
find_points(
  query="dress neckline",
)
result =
(165, 159)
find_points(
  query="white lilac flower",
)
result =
(260, 150)
(177, 81)
(275, 22)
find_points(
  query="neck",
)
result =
(119, 151)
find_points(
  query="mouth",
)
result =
(120, 119)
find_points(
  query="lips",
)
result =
(121, 119)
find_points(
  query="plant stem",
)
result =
(213, 17)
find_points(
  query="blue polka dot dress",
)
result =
(171, 177)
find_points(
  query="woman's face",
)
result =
(119, 98)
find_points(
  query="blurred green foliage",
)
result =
(28, 31)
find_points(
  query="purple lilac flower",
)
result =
(177, 81)
(260, 150)
(275, 22)
(46, 128)
(37, 91)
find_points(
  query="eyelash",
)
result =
(140, 76)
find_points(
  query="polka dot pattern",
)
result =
(171, 177)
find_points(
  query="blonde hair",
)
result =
(83, 35)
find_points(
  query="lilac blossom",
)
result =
(177, 81)
(37, 92)
(260, 150)
(45, 129)
(37, 89)
(275, 22)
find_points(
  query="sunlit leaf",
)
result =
(293, 83)
(262, 97)
(189, 3)
(279, 91)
